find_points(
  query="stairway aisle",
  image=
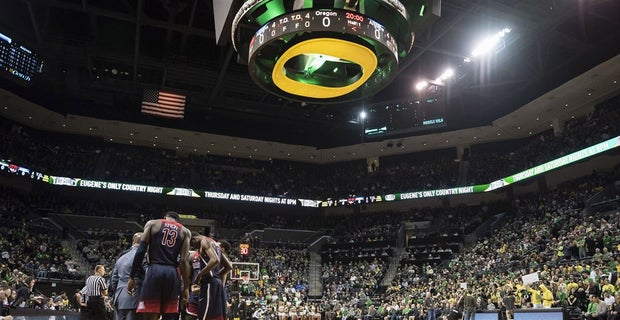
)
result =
(76, 256)
(392, 268)
(315, 272)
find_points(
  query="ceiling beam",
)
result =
(545, 31)
(604, 18)
(220, 77)
(189, 26)
(440, 51)
(435, 38)
(136, 46)
(539, 57)
(33, 20)
(501, 83)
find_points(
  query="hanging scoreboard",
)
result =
(327, 51)
(17, 62)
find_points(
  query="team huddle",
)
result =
(161, 277)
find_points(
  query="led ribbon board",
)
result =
(8, 167)
(556, 163)
(322, 51)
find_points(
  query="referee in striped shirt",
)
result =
(94, 293)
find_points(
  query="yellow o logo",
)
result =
(344, 50)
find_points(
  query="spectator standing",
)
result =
(614, 311)
(429, 305)
(509, 304)
(23, 290)
(469, 306)
(5, 294)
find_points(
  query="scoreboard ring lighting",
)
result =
(302, 50)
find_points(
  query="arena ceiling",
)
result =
(171, 44)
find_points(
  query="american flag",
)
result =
(163, 104)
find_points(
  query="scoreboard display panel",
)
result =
(327, 51)
(407, 116)
(323, 20)
(17, 62)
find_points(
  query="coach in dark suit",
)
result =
(125, 304)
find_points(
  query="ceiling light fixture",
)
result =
(489, 44)
(421, 85)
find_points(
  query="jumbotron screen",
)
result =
(17, 62)
(407, 116)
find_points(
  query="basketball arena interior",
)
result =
(363, 157)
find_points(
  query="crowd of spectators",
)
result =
(98, 252)
(420, 171)
(430, 254)
(548, 233)
(282, 281)
(30, 246)
(574, 252)
(91, 158)
(30, 250)
(366, 228)
(496, 161)
(343, 280)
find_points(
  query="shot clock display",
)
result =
(244, 249)
(17, 62)
(327, 50)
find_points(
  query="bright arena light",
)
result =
(447, 74)
(421, 85)
(487, 45)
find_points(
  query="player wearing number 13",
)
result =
(166, 240)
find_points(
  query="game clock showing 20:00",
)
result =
(323, 20)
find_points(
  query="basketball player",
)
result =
(214, 267)
(167, 243)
